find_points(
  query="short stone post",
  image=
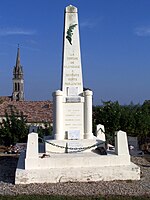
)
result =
(58, 115)
(121, 143)
(100, 132)
(88, 114)
(31, 161)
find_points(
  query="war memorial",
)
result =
(71, 154)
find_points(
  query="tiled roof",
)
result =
(5, 98)
(35, 111)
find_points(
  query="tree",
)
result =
(109, 115)
(46, 130)
(143, 122)
(133, 119)
(13, 128)
(128, 120)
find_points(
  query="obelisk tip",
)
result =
(71, 9)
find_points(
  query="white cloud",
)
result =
(87, 24)
(15, 31)
(31, 41)
(143, 31)
(90, 23)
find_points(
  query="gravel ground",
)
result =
(132, 188)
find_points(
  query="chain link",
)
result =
(71, 148)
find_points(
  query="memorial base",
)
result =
(76, 167)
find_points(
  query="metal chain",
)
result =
(71, 148)
(102, 130)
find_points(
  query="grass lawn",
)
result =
(46, 197)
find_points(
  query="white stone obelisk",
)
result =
(72, 106)
(72, 84)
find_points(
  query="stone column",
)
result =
(88, 114)
(58, 115)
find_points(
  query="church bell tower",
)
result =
(18, 81)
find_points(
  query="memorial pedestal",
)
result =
(78, 167)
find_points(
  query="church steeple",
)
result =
(18, 71)
(18, 58)
(18, 81)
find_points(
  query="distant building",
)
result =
(18, 81)
(35, 112)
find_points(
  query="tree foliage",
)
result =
(133, 119)
(13, 128)
(46, 130)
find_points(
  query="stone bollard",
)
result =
(121, 143)
(31, 161)
(100, 132)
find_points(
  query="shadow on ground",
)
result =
(8, 166)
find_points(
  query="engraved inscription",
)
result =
(71, 67)
(73, 116)
(72, 58)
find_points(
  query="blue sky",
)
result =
(115, 47)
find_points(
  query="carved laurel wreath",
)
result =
(70, 33)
